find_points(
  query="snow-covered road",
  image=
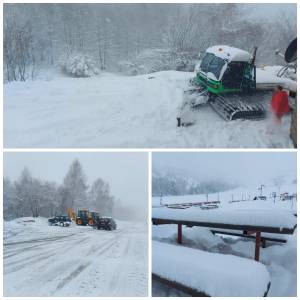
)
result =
(76, 261)
(121, 111)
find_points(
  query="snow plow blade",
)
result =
(231, 107)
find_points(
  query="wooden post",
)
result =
(178, 122)
(179, 234)
(257, 245)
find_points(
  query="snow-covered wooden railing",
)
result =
(200, 273)
(256, 221)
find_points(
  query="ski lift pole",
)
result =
(261, 189)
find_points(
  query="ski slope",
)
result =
(241, 198)
(42, 260)
(121, 111)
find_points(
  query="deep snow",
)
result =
(280, 259)
(120, 111)
(42, 260)
(212, 273)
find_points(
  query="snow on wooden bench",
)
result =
(257, 221)
(240, 219)
(201, 273)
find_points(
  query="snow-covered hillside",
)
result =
(43, 260)
(241, 197)
(120, 111)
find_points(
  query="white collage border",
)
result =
(145, 150)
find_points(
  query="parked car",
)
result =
(63, 221)
(106, 223)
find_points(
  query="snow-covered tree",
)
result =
(29, 196)
(112, 33)
(9, 199)
(171, 184)
(80, 65)
(100, 198)
(75, 186)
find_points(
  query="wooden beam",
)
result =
(263, 238)
(179, 286)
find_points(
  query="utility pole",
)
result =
(274, 196)
(261, 189)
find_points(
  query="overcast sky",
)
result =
(237, 167)
(270, 10)
(126, 173)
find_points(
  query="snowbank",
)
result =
(120, 111)
(214, 274)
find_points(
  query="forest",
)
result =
(133, 38)
(28, 196)
(172, 184)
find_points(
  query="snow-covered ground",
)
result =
(121, 111)
(43, 260)
(280, 259)
(243, 194)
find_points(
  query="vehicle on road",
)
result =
(106, 223)
(85, 217)
(63, 221)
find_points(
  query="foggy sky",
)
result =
(269, 10)
(126, 173)
(237, 167)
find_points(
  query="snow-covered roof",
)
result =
(211, 273)
(229, 53)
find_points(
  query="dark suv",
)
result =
(106, 223)
(60, 221)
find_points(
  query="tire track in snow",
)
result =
(36, 258)
(51, 239)
(34, 255)
(118, 275)
(28, 262)
(82, 267)
(93, 275)
(20, 250)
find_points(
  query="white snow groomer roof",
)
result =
(229, 53)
